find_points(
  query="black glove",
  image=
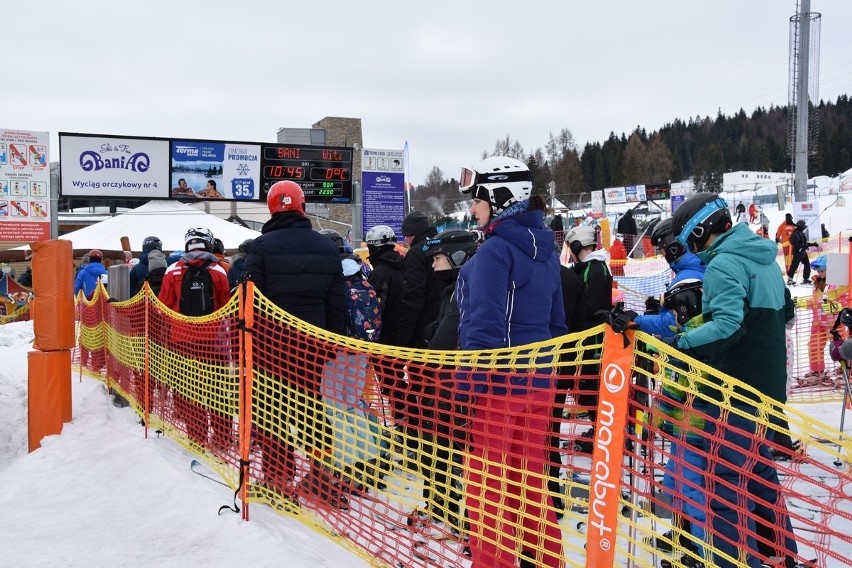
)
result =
(670, 340)
(621, 321)
(652, 305)
(813, 245)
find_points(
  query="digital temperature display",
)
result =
(323, 172)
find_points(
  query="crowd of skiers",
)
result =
(497, 287)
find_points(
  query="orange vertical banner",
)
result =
(605, 482)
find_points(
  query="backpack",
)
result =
(155, 280)
(196, 292)
(363, 316)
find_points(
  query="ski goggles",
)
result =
(693, 227)
(470, 178)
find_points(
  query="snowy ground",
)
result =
(101, 495)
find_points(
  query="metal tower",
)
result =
(803, 93)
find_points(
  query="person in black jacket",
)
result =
(420, 292)
(627, 227)
(593, 272)
(298, 270)
(576, 308)
(443, 421)
(799, 246)
(386, 280)
(139, 272)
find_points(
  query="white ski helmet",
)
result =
(199, 238)
(499, 180)
(580, 237)
(380, 235)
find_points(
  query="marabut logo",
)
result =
(607, 464)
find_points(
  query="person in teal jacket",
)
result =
(743, 336)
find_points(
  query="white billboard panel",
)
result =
(95, 166)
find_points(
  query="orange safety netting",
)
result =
(384, 450)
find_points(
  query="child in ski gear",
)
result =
(196, 286)
(140, 270)
(799, 249)
(590, 265)
(90, 275)
(156, 270)
(444, 420)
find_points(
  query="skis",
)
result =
(196, 467)
(421, 550)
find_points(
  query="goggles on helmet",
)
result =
(470, 178)
(693, 227)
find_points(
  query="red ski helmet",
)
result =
(285, 196)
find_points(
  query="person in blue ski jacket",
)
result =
(139, 273)
(509, 294)
(88, 277)
(683, 263)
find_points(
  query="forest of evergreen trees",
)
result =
(699, 148)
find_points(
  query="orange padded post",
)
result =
(49, 402)
(53, 286)
(49, 381)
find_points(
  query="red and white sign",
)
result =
(24, 186)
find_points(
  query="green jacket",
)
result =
(673, 415)
(744, 312)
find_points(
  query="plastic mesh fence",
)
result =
(385, 450)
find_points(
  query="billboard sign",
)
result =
(383, 188)
(24, 186)
(95, 165)
(615, 195)
(215, 170)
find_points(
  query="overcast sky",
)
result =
(448, 77)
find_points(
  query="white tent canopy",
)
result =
(167, 220)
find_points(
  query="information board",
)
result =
(323, 172)
(24, 186)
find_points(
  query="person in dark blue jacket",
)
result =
(509, 294)
(298, 270)
(139, 272)
(88, 277)
(238, 263)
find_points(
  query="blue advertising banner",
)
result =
(215, 170)
(383, 189)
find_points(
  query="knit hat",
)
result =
(156, 259)
(350, 267)
(415, 223)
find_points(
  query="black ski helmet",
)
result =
(684, 298)
(335, 237)
(662, 237)
(457, 245)
(700, 216)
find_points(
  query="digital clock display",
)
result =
(323, 172)
(284, 172)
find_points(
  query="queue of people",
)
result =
(497, 288)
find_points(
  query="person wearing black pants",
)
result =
(799, 245)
